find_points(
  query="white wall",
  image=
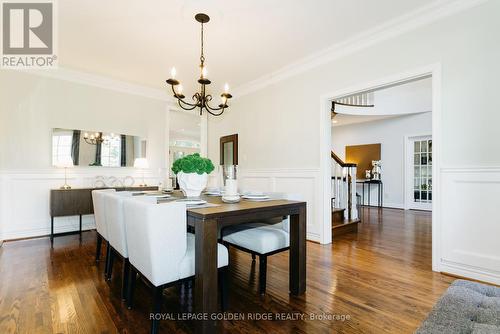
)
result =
(30, 106)
(279, 125)
(390, 133)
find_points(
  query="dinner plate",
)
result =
(158, 196)
(192, 202)
(214, 193)
(255, 196)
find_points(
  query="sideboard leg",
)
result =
(51, 230)
(80, 228)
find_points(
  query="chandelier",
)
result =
(200, 99)
(97, 138)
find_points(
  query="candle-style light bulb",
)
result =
(224, 100)
(173, 72)
(204, 72)
(86, 135)
(226, 88)
(179, 89)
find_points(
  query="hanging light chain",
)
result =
(202, 56)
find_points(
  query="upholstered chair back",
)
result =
(99, 209)
(113, 204)
(156, 238)
(288, 196)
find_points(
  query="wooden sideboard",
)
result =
(77, 202)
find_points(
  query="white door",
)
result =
(419, 173)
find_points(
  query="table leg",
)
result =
(297, 267)
(205, 291)
(379, 202)
(363, 199)
(381, 195)
(369, 195)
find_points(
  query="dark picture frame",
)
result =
(230, 141)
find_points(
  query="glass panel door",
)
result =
(421, 173)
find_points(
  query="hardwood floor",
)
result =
(379, 278)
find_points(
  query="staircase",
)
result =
(344, 209)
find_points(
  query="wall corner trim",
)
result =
(95, 80)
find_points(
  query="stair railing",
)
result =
(344, 186)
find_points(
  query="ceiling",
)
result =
(139, 41)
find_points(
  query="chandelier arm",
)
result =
(211, 110)
(190, 106)
(179, 99)
(215, 114)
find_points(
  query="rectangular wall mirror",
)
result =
(229, 150)
(96, 148)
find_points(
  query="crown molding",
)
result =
(390, 29)
(104, 82)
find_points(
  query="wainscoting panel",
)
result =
(24, 198)
(305, 182)
(470, 225)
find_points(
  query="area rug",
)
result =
(466, 307)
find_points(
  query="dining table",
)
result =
(208, 221)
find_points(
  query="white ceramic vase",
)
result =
(192, 184)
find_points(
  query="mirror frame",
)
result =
(228, 139)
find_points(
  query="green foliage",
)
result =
(193, 163)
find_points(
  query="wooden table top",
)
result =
(244, 206)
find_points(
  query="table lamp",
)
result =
(65, 162)
(141, 163)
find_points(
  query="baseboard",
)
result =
(313, 237)
(466, 271)
(394, 205)
(40, 232)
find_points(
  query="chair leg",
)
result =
(223, 287)
(157, 299)
(131, 287)
(125, 277)
(98, 247)
(106, 262)
(262, 273)
(111, 260)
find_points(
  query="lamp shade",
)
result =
(64, 162)
(141, 163)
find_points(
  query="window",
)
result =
(61, 146)
(111, 152)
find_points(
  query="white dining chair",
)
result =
(262, 238)
(113, 203)
(160, 249)
(100, 224)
